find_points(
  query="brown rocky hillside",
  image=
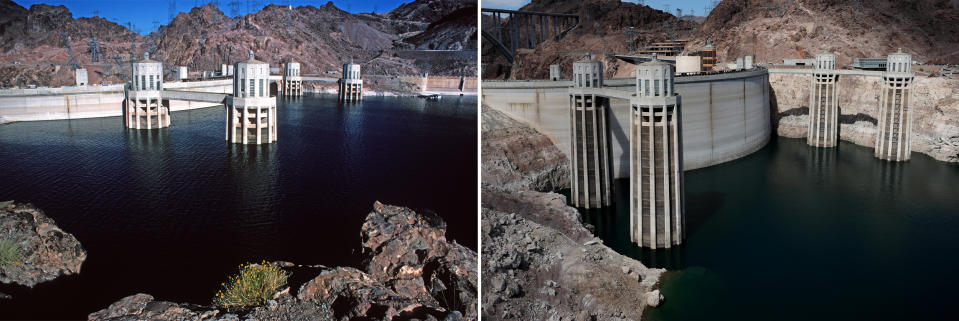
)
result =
(600, 32)
(320, 38)
(778, 29)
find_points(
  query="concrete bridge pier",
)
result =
(351, 83)
(251, 114)
(143, 106)
(894, 142)
(589, 118)
(824, 103)
(657, 202)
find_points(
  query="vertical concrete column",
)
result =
(657, 205)
(893, 142)
(589, 129)
(823, 128)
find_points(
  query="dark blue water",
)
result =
(172, 212)
(797, 233)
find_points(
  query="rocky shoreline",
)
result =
(411, 272)
(44, 251)
(539, 261)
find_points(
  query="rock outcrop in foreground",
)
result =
(46, 251)
(539, 261)
(412, 272)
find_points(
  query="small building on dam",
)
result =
(725, 115)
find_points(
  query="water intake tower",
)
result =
(589, 145)
(251, 114)
(657, 207)
(895, 115)
(142, 105)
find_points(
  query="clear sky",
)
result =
(142, 13)
(686, 5)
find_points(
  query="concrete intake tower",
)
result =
(142, 105)
(590, 160)
(894, 141)
(251, 114)
(824, 103)
(351, 85)
(657, 207)
(292, 81)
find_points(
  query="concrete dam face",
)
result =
(724, 116)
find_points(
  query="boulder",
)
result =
(46, 251)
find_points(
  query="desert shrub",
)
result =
(9, 252)
(253, 285)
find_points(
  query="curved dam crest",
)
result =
(724, 116)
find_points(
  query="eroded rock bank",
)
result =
(411, 273)
(43, 251)
(539, 261)
(935, 103)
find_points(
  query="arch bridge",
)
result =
(509, 30)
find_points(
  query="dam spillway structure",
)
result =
(251, 113)
(657, 206)
(893, 142)
(590, 186)
(823, 130)
(142, 104)
(292, 81)
(351, 83)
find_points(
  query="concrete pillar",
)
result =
(823, 126)
(292, 81)
(589, 119)
(894, 141)
(657, 206)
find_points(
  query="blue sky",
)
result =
(686, 5)
(143, 12)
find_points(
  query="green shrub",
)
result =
(9, 252)
(256, 283)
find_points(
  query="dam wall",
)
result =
(725, 116)
(91, 101)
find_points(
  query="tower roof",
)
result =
(146, 58)
(654, 62)
(252, 60)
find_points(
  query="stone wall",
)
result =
(935, 103)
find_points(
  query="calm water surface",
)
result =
(172, 212)
(796, 233)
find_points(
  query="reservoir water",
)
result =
(172, 212)
(796, 233)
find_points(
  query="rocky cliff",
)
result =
(45, 252)
(411, 272)
(935, 103)
(778, 29)
(539, 261)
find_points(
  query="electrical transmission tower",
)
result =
(172, 10)
(66, 43)
(234, 8)
(94, 50)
